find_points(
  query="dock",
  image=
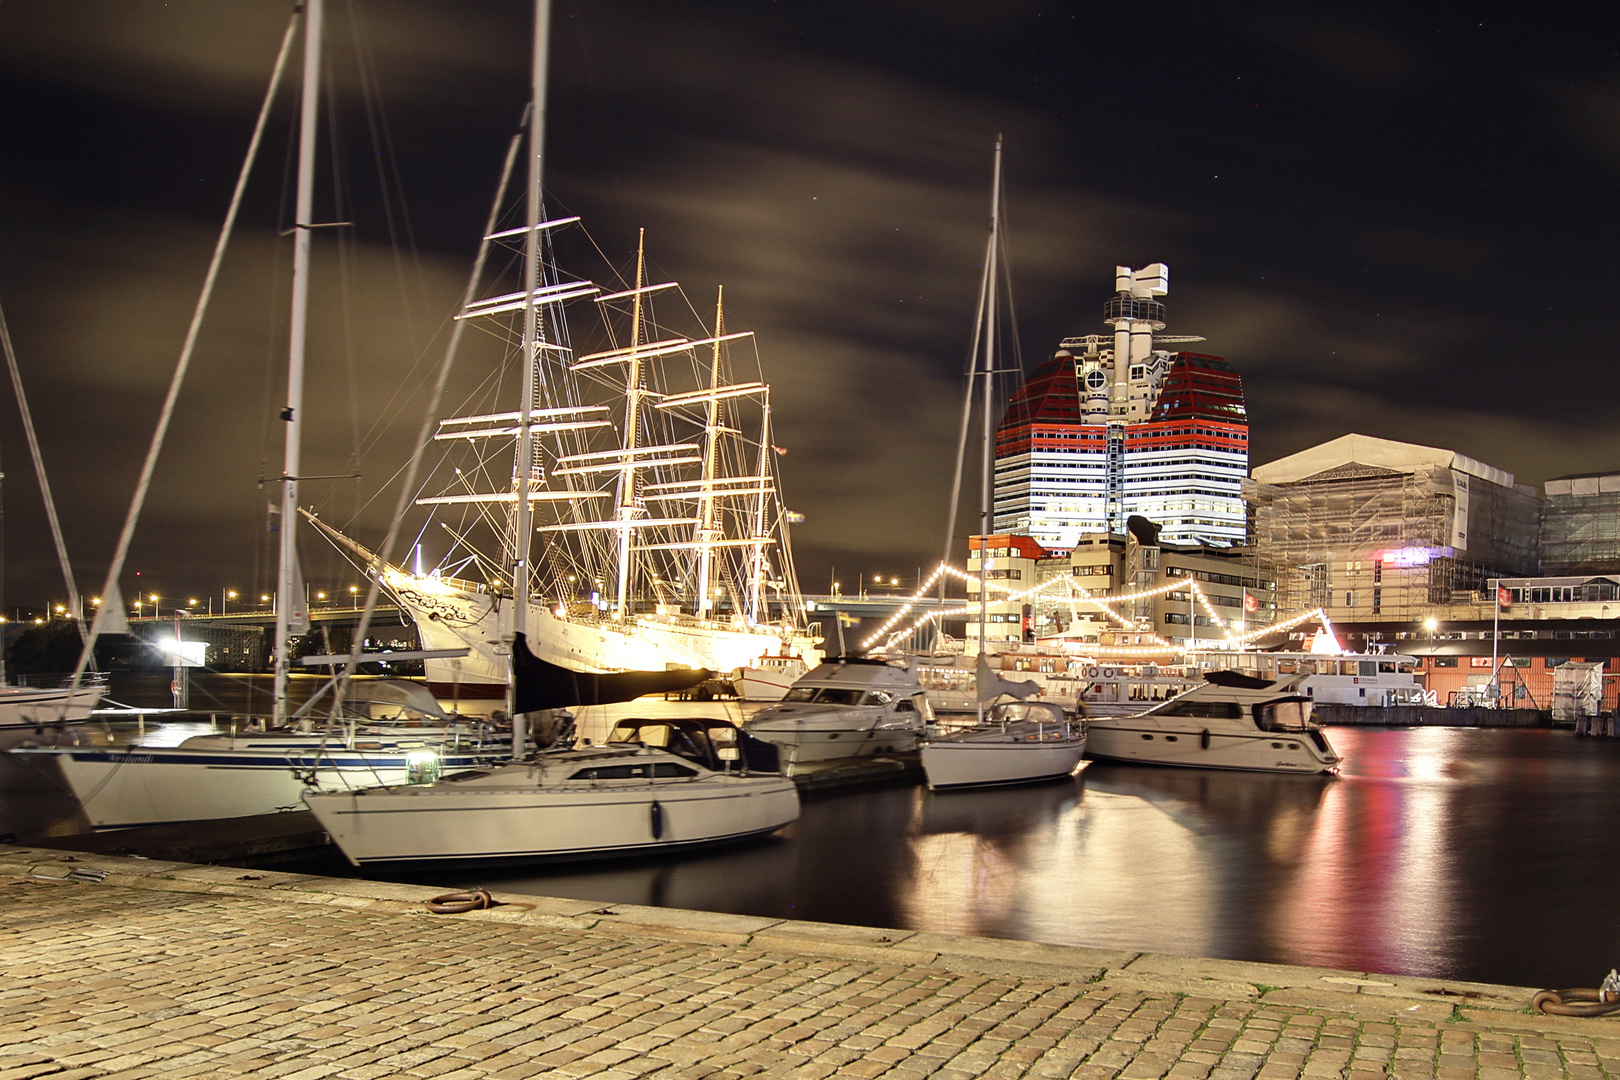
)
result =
(121, 969)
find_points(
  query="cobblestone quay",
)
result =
(175, 970)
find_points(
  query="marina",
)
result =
(1176, 748)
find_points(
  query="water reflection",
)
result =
(1450, 852)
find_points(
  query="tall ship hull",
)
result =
(452, 614)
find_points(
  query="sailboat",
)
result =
(646, 469)
(1011, 742)
(231, 775)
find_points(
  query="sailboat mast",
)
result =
(523, 466)
(986, 476)
(290, 604)
(632, 424)
(706, 534)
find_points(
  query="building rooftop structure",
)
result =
(1118, 425)
(1373, 529)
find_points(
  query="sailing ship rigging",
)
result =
(642, 513)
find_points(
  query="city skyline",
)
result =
(1363, 213)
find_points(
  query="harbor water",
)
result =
(1480, 854)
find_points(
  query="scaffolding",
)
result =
(1580, 526)
(1369, 543)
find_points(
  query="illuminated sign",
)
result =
(1410, 556)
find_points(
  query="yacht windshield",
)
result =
(824, 695)
(1284, 716)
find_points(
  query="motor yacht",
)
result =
(1233, 721)
(655, 785)
(843, 708)
(1019, 741)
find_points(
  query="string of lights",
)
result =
(1103, 603)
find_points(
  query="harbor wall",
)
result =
(1426, 716)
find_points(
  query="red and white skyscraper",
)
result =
(1118, 425)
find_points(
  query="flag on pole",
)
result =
(1504, 598)
(1251, 604)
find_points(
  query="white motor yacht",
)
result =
(1233, 721)
(1019, 741)
(843, 708)
(656, 785)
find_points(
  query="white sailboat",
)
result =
(1019, 741)
(1009, 743)
(217, 776)
(656, 785)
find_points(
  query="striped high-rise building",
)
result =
(1115, 425)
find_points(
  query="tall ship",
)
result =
(645, 482)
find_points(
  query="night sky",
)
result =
(1397, 222)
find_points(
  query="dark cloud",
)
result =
(1391, 221)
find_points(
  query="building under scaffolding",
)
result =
(1375, 530)
(1580, 525)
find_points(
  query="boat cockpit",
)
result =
(717, 745)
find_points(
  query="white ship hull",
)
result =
(448, 617)
(142, 785)
(509, 816)
(27, 712)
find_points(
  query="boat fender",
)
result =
(1203, 738)
(657, 815)
(1599, 1002)
(455, 903)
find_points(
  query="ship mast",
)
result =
(633, 393)
(707, 534)
(760, 538)
(291, 616)
(523, 480)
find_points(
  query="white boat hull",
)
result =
(821, 741)
(1259, 751)
(431, 823)
(124, 787)
(965, 761)
(27, 712)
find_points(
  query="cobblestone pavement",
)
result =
(173, 970)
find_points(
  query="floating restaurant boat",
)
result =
(1233, 721)
(1018, 742)
(657, 785)
(843, 708)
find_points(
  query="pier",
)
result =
(122, 968)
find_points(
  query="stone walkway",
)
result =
(172, 970)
